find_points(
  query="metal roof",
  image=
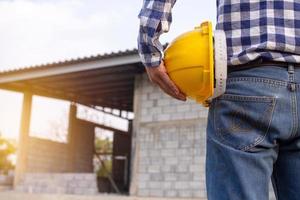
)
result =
(73, 61)
(102, 80)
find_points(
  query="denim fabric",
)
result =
(253, 136)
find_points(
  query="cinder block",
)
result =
(168, 109)
(90, 177)
(168, 152)
(195, 168)
(68, 177)
(168, 168)
(182, 167)
(148, 118)
(196, 185)
(147, 104)
(155, 185)
(171, 193)
(167, 185)
(171, 160)
(142, 168)
(199, 193)
(163, 102)
(155, 111)
(171, 144)
(177, 116)
(144, 97)
(170, 177)
(185, 176)
(156, 177)
(164, 117)
(183, 108)
(155, 95)
(153, 169)
(143, 185)
(156, 193)
(191, 115)
(181, 185)
(144, 177)
(185, 193)
(143, 192)
(83, 183)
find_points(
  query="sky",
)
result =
(42, 31)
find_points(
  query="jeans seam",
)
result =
(258, 139)
(249, 147)
(293, 104)
(257, 99)
(272, 82)
(275, 183)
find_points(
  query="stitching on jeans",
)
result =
(258, 139)
(257, 99)
(249, 147)
(267, 131)
(272, 82)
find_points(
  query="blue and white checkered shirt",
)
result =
(266, 29)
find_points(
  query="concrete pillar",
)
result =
(135, 147)
(22, 151)
(71, 136)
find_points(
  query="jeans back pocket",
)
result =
(243, 121)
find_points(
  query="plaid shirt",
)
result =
(266, 29)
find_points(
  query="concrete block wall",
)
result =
(6, 179)
(47, 156)
(170, 140)
(59, 183)
(76, 156)
(48, 161)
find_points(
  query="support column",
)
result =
(72, 137)
(135, 146)
(22, 151)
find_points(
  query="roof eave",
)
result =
(41, 72)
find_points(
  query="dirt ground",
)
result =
(20, 196)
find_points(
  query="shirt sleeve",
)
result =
(155, 19)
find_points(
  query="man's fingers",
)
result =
(167, 89)
(169, 85)
(163, 86)
(159, 76)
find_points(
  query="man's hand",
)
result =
(158, 75)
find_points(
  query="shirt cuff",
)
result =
(151, 60)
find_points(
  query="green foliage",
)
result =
(6, 149)
(102, 172)
(104, 147)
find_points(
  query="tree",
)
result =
(104, 149)
(6, 150)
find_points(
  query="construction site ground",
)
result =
(23, 196)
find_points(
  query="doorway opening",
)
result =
(112, 160)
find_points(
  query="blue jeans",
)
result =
(253, 136)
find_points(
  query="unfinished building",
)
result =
(161, 154)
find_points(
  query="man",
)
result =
(253, 129)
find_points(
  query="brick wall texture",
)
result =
(54, 167)
(59, 183)
(74, 156)
(171, 144)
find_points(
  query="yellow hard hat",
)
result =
(189, 61)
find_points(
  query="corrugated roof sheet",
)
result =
(72, 61)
